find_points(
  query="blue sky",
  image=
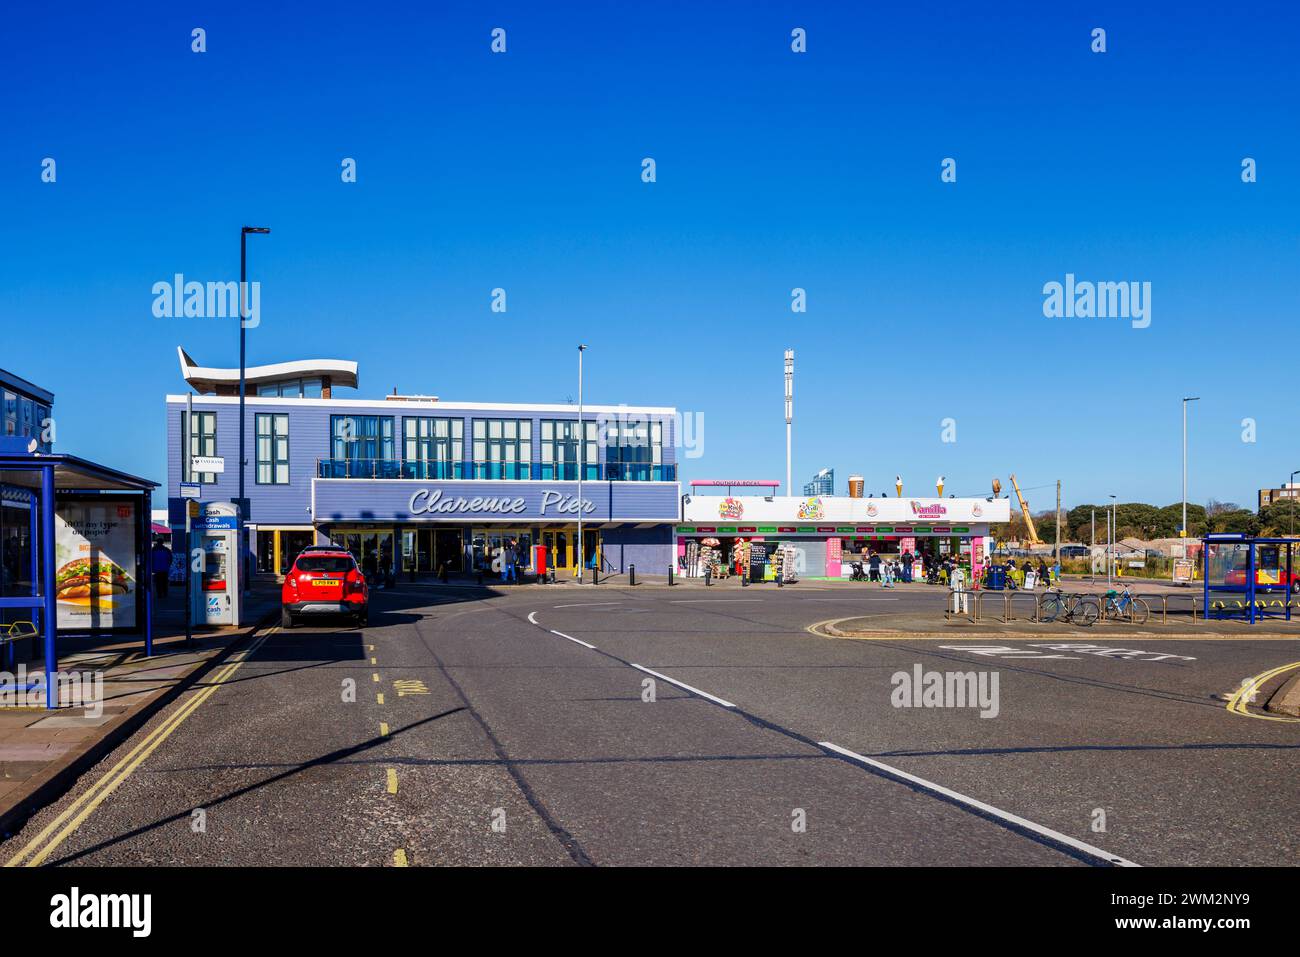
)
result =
(775, 170)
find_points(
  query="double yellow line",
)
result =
(1243, 695)
(80, 809)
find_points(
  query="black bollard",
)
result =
(744, 580)
(631, 574)
(670, 576)
(708, 574)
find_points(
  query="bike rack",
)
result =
(975, 606)
(1009, 598)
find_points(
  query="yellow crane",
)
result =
(1029, 522)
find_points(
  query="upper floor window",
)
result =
(560, 450)
(503, 448)
(437, 444)
(272, 449)
(365, 437)
(291, 389)
(203, 441)
(633, 447)
(11, 413)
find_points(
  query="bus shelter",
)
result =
(1249, 578)
(74, 552)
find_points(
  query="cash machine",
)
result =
(214, 549)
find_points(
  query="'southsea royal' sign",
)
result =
(435, 502)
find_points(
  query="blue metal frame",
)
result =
(42, 601)
(1253, 610)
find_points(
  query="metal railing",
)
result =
(426, 470)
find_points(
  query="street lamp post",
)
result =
(789, 416)
(1183, 532)
(243, 317)
(1291, 495)
(582, 450)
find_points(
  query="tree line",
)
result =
(1140, 520)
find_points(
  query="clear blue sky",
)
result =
(775, 170)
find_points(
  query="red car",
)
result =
(324, 582)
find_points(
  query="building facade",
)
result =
(27, 410)
(823, 483)
(418, 484)
(824, 532)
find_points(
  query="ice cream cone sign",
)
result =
(997, 487)
(939, 485)
(898, 484)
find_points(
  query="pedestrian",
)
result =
(162, 565)
(887, 575)
(908, 560)
(1044, 576)
(875, 566)
(508, 563)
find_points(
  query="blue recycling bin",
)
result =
(997, 577)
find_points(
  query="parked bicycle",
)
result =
(1124, 605)
(1074, 609)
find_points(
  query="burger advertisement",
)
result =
(94, 583)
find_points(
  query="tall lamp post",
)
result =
(582, 450)
(1183, 532)
(1291, 495)
(243, 322)
(789, 415)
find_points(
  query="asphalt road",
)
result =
(460, 728)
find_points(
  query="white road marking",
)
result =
(851, 599)
(1057, 836)
(572, 639)
(683, 601)
(683, 684)
(588, 604)
(533, 620)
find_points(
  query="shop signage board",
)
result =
(191, 490)
(840, 510)
(208, 463)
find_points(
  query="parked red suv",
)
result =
(324, 582)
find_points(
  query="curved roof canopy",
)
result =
(205, 379)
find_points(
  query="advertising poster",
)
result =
(95, 564)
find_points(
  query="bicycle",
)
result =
(1074, 609)
(1124, 605)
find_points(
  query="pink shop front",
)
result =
(825, 534)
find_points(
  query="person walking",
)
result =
(875, 566)
(161, 565)
(508, 575)
(907, 566)
(1044, 576)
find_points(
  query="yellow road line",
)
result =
(380, 696)
(392, 780)
(373, 661)
(375, 677)
(399, 858)
(1237, 703)
(383, 729)
(80, 809)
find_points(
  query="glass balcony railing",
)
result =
(427, 471)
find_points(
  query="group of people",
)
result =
(1019, 574)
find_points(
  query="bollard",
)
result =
(631, 574)
(744, 580)
(670, 576)
(708, 574)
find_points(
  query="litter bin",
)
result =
(997, 577)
